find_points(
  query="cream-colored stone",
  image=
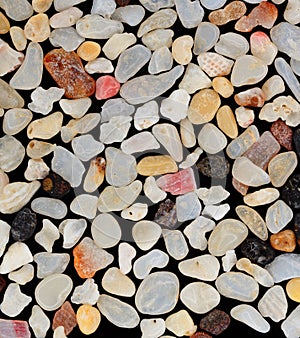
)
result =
(222, 86)
(181, 324)
(37, 28)
(182, 49)
(46, 127)
(226, 121)
(18, 37)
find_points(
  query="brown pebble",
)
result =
(201, 335)
(282, 133)
(2, 283)
(297, 227)
(65, 317)
(215, 322)
(122, 2)
(232, 11)
(55, 185)
(284, 241)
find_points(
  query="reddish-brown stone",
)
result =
(283, 134)
(65, 317)
(2, 283)
(122, 2)
(284, 241)
(215, 322)
(106, 86)
(201, 335)
(67, 71)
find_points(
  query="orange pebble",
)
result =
(89, 50)
(88, 319)
(284, 241)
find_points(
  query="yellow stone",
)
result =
(156, 165)
(88, 319)
(41, 6)
(4, 24)
(37, 28)
(226, 122)
(293, 289)
(222, 86)
(89, 50)
(18, 38)
(204, 106)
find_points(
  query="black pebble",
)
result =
(24, 224)
(258, 251)
(291, 192)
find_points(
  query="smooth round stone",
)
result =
(153, 327)
(261, 197)
(84, 205)
(52, 291)
(199, 297)
(106, 231)
(181, 49)
(51, 207)
(15, 120)
(244, 116)
(222, 86)
(117, 44)
(37, 28)
(190, 13)
(67, 38)
(181, 324)
(115, 282)
(175, 244)
(12, 153)
(232, 45)
(227, 122)
(284, 241)
(87, 293)
(66, 18)
(41, 6)
(131, 14)
(88, 319)
(248, 315)
(39, 322)
(205, 267)
(59, 332)
(18, 38)
(278, 216)
(72, 230)
(227, 235)
(211, 139)
(188, 207)
(135, 212)
(118, 312)
(158, 38)
(139, 142)
(237, 285)
(156, 165)
(158, 293)
(4, 24)
(213, 5)
(146, 234)
(207, 35)
(293, 289)
(99, 65)
(126, 253)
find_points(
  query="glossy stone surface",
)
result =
(284, 267)
(166, 214)
(292, 289)
(284, 241)
(278, 216)
(65, 317)
(88, 319)
(257, 251)
(23, 225)
(290, 326)
(290, 192)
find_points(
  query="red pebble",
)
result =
(65, 317)
(2, 283)
(67, 71)
(106, 86)
(201, 335)
(283, 134)
(215, 322)
(122, 2)
(14, 329)
(178, 183)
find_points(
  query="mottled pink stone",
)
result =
(178, 183)
(14, 329)
(106, 86)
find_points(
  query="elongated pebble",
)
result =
(46, 127)
(278, 215)
(116, 283)
(50, 207)
(139, 142)
(126, 253)
(187, 133)
(175, 244)
(207, 35)
(261, 197)
(284, 267)
(117, 44)
(290, 326)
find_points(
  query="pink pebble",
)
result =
(106, 86)
(14, 329)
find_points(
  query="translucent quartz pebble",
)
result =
(232, 45)
(118, 43)
(153, 327)
(61, 5)
(190, 12)
(290, 326)
(248, 315)
(233, 11)
(22, 276)
(284, 70)
(253, 220)
(164, 18)
(284, 267)
(84, 205)
(88, 318)
(175, 243)
(261, 197)
(158, 38)
(19, 10)
(279, 214)
(229, 260)
(295, 65)
(50, 263)
(281, 167)
(135, 212)
(117, 312)
(265, 15)
(158, 293)
(9, 98)
(87, 293)
(273, 303)
(66, 18)
(205, 267)
(214, 64)
(155, 5)
(43, 99)
(126, 253)
(161, 61)
(85, 147)
(153, 259)
(89, 258)
(191, 158)
(261, 275)
(14, 301)
(14, 328)
(115, 130)
(286, 38)
(38, 149)
(18, 38)
(168, 136)
(207, 35)
(37, 28)
(72, 230)
(246, 172)
(39, 322)
(47, 236)
(291, 13)
(41, 6)
(237, 285)
(248, 70)
(67, 38)
(115, 282)
(273, 86)
(11, 59)
(133, 91)
(115, 107)
(12, 153)
(51, 207)
(139, 142)
(5, 232)
(46, 127)
(227, 235)
(187, 133)
(262, 47)
(211, 139)
(16, 195)
(15, 120)
(213, 195)
(253, 97)
(194, 79)
(68, 166)
(204, 106)
(117, 199)
(146, 234)
(199, 297)
(104, 8)
(95, 175)
(196, 230)
(181, 323)
(106, 231)
(93, 26)
(131, 14)
(212, 5)
(188, 207)
(226, 122)
(59, 332)
(216, 212)
(99, 65)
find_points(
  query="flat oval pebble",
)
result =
(278, 215)
(106, 231)
(19, 11)
(175, 244)
(156, 165)
(50, 207)
(145, 234)
(12, 153)
(292, 289)
(65, 18)
(261, 197)
(181, 323)
(18, 38)
(37, 28)
(131, 14)
(158, 38)
(232, 45)
(88, 319)
(207, 35)
(199, 297)
(116, 283)
(211, 139)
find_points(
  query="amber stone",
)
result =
(201, 335)
(65, 317)
(67, 71)
(284, 241)
(283, 134)
(215, 322)
(166, 214)
(2, 283)
(55, 185)
(122, 2)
